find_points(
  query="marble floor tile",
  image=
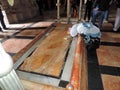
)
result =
(110, 37)
(109, 55)
(14, 45)
(111, 82)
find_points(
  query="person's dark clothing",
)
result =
(117, 3)
(1, 15)
(88, 9)
(2, 19)
(99, 9)
(89, 3)
(102, 5)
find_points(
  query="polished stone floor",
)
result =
(103, 63)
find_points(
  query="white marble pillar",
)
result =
(8, 77)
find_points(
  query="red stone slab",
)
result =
(49, 57)
(77, 65)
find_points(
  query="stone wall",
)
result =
(22, 10)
